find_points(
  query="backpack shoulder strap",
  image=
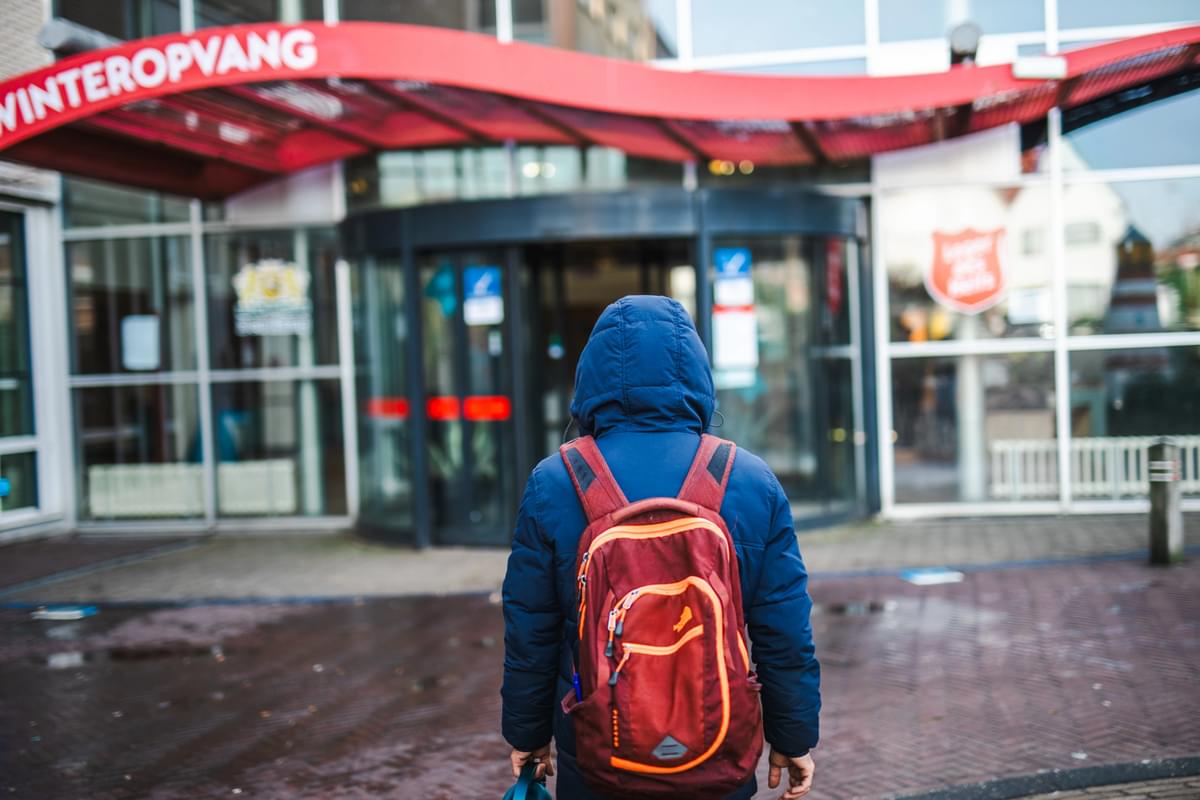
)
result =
(594, 483)
(706, 480)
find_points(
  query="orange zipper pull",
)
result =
(612, 680)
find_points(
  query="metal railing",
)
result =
(1101, 467)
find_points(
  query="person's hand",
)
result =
(541, 757)
(800, 774)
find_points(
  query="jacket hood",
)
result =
(644, 368)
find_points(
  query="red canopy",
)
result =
(214, 112)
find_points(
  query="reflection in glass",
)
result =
(20, 470)
(1121, 402)
(469, 395)
(16, 377)
(1096, 13)
(286, 312)
(752, 26)
(900, 20)
(1145, 136)
(1133, 256)
(982, 252)
(139, 452)
(974, 428)
(132, 305)
(383, 422)
(778, 401)
(278, 447)
(93, 203)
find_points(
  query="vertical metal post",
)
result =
(683, 32)
(883, 362)
(1058, 288)
(345, 311)
(203, 365)
(703, 263)
(464, 507)
(309, 428)
(504, 21)
(419, 435)
(331, 12)
(519, 356)
(187, 16)
(1166, 518)
(858, 431)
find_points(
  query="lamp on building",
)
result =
(964, 43)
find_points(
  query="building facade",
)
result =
(997, 323)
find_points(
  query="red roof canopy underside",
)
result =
(215, 112)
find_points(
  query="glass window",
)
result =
(131, 305)
(122, 19)
(967, 262)
(278, 447)
(1146, 136)
(383, 422)
(720, 27)
(1133, 256)
(92, 203)
(933, 19)
(410, 178)
(464, 15)
(1096, 13)
(272, 299)
(211, 13)
(16, 377)
(139, 452)
(1121, 402)
(546, 170)
(974, 428)
(20, 470)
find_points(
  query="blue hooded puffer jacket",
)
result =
(644, 389)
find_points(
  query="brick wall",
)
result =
(20, 52)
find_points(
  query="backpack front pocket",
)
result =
(668, 675)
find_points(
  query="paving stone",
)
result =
(939, 686)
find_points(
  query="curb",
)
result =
(1066, 779)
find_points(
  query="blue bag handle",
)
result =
(526, 788)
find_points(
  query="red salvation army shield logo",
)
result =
(967, 272)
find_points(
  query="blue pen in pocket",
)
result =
(578, 688)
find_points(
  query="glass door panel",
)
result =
(18, 461)
(572, 284)
(468, 403)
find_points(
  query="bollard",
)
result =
(1166, 516)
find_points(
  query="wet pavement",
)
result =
(1010, 672)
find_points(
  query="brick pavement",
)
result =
(332, 565)
(1010, 672)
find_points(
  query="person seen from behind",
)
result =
(625, 611)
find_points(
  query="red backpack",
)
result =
(665, 703)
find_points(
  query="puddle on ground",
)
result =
(857, 609)
(77, 658)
